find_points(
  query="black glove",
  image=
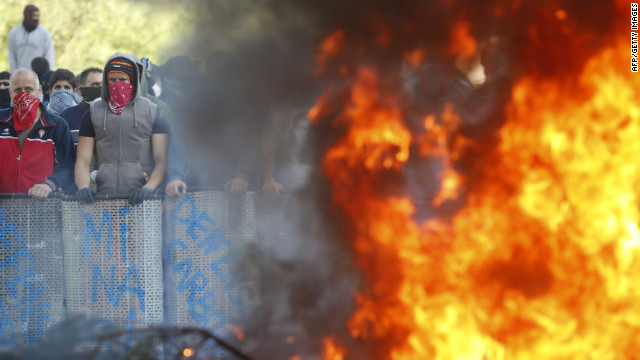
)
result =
(85, 195)
(137, 196)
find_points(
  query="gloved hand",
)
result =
(85, 195)
(137, 196)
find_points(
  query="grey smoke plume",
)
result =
(269, 59)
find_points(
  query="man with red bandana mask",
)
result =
(36, 149)
(128, 134)
(29, 40)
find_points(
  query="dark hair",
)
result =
(5, 75)
(62, 74)
(179, 67)
(40, 65)
(82, 78)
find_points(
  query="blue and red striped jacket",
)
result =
(47, 154)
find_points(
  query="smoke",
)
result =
(259, 58)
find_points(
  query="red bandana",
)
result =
(120, 95)
(25, 111)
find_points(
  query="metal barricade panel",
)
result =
(212, 276)
(113, 261)
(31, 271)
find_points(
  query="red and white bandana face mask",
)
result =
(120, 95)
(25, 111)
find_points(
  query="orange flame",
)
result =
(462, 43)
(236, 331)
(330, 47)
(542, 261)
(332, 351)
(414, 58)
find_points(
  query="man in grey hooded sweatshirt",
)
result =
(129, 134)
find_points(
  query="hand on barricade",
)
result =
(137, 196)
(175, 188)
(85, 195)
(40, 191)
(272, 188)
(236, 186)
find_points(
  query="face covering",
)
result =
(89, 93)
(5, 99)
(29, 22)
(120, 94)
(60, 100)
(25, 111)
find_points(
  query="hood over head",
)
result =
(135, 71)
(28, 16)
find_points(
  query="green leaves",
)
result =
(86, 32)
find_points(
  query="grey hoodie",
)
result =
(123, 153)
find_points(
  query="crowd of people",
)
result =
(112, 128)
(115, 128)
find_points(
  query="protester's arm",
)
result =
(176, 162)
(159, 148)
(83, 161)
(270, 186)
(159, 144)
(86, 143)
(247, 131)
(176, 168)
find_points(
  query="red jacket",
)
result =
(47, 154)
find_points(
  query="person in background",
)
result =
(157, 85)
(36, 151)
(5, 96)
(128, 134)
(90, 86)
(63, 88)
(232, 114)
(29, 40)
(179, 74)
(283, 149)
(146, 68)
(41, 67)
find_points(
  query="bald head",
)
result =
(24, 80)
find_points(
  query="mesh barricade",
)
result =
(31, 272)
(277, 221)
(212, 277)
(113, 261)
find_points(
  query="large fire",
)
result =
(543, 259)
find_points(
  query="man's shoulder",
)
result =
(146, 105)
(53, 119)
(14, 30)
(72, 111)
(5, 114)
(43, 29)
(96, 103)
(145, 100)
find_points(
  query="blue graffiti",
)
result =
(114, 293)
(124, 230)
(31, 307)
(90, 228)
(9, 228)
(192, 281)
(223, 266)
(14, 258)
(105, 283)
(200, 300)
(213, 241)
(7, 329)
(106, 222)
